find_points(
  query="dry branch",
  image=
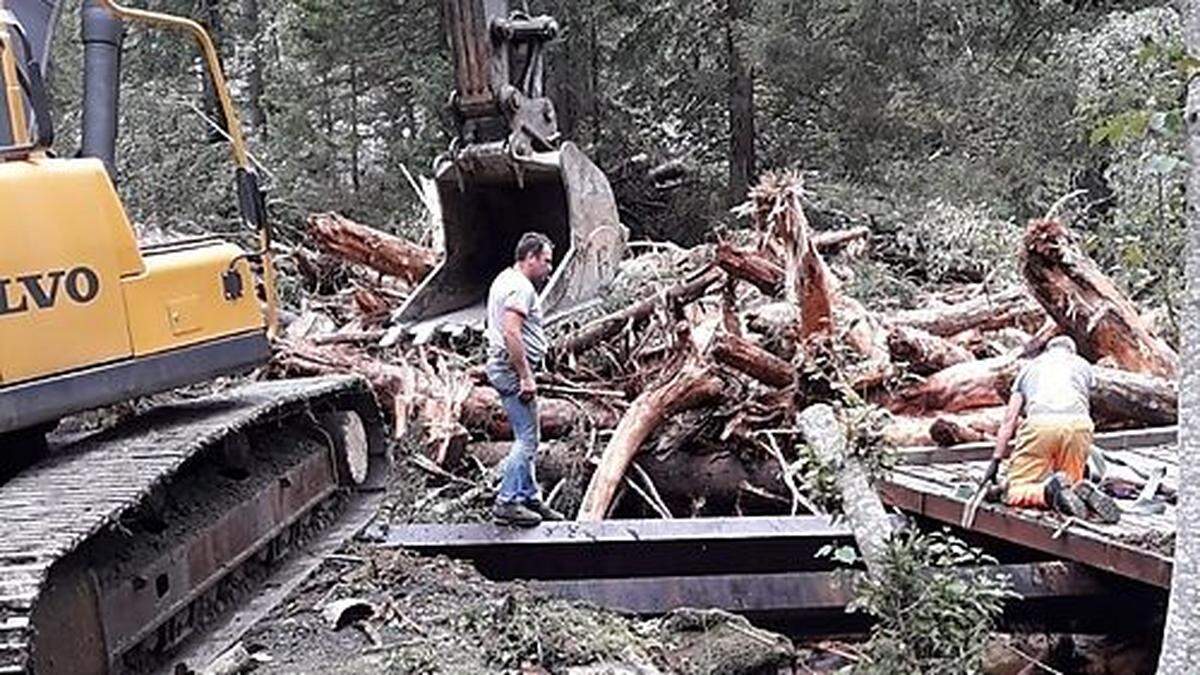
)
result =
(609, 326)
(829, 241)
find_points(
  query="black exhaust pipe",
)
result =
(103, 35)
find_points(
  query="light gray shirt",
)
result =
(1058, 382)
(513, 290)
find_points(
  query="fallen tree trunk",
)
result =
(420, 399)
(973, 384)
(925, 353)
(1088, 305)
(609, 326)
(828, 241)
(943, 429)
(1011, 308)
(1120, 399)
(393, 385)
(692, 386)
(860, 503)
(483, 414)
(746, 357)
(966, 427)
(752, 267)
(378, 250)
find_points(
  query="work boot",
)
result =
(1061, 498)
(514, 514)
(539, 507)
(1101, 504)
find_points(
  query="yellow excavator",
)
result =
(116, 547)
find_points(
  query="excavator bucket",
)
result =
(488, 200)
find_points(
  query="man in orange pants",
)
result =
(1052, 392)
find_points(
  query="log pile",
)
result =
(689, 391)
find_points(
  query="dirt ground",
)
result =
(434, 615)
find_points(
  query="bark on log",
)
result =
(973, 384)
(692, 386)
(860, 503)
(746, 357)
(1088, 305)
(609, 326)
(1010, 308)
(378, 250)
(925, 353)
(1119, 400)
(1122, 399)
(752, 267)
(483, 414)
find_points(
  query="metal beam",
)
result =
(621, 548)
(1053, 594)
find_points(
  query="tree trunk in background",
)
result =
(211, 16)
(741, 104)
(1181, 637)
(355, 171)
(251, 31)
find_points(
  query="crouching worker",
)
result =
(1052, 394)
(516, 344)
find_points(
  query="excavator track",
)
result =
(119, 545)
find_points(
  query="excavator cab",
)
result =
(509, 172)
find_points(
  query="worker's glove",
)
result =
(993, 469)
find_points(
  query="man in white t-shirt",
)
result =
(516, 344)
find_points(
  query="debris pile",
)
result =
(679, 394)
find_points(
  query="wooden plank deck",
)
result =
(937, 483)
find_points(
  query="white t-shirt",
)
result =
(513, 290)
(1058, 382)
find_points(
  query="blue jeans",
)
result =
(519, 476)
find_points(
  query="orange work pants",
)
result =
(1046, 445)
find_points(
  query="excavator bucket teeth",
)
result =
(488, 200)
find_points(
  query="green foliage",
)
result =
(1133, 73)
(930, 619)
